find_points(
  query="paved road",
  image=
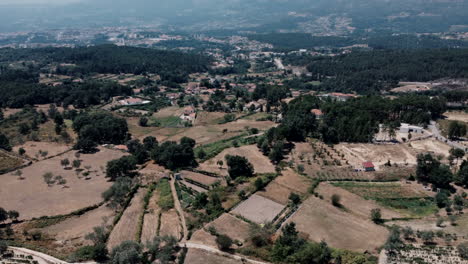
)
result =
(219, 252)
(178, 207)
(436, 132)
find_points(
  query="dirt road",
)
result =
(219, 252)
(41, 258)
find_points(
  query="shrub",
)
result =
(376, 216)
(335, 199)
(224, 242)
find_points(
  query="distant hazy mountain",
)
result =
(329, 17)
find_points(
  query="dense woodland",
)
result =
(19, 85)
(372, 71)
(170, 65)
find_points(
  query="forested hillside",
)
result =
(369, 72)
(20, 87)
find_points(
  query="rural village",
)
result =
(245, 157)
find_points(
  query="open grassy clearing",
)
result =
(260, 162)
(127, 227)
(169, 121)
(208, 118)
(258, 209)
(78, 192)
(353, 202)
(320, 220)
(412, 201)
(202, 133)
(165, 201)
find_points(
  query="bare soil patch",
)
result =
(259, 161)
(32, 197)
(231, 226)
(322, 221)
(258, 209)
(431, 145)
(127, 227)
(196, 256)
(170, 224)
(356, 154)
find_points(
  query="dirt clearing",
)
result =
(356, 154)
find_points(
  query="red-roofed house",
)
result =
(368, 166)
(317, 112)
